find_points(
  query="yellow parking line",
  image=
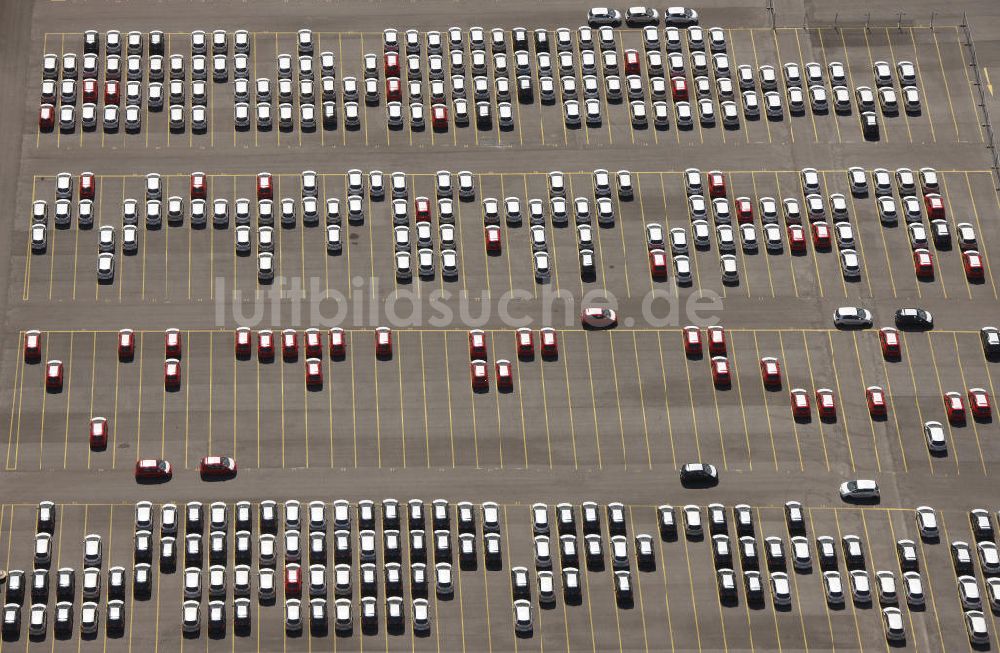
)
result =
(795, 425)
(638, 583)
(871, 422)
(618, 402)
(69, 391)
(937, 375)
(545, 409)
(791, 266)
(593, 400)
(947, 91)
(980, 232)
(642, 400)
(756, 66)
(451, 421)
(892, 58)
(975, 426)
(15, 391)
(923, 91)
(694, 413)
(812, 115)
(767, 411)
(423, 385)
(892, 407)
(766, 255)
(694, 602)
(938, 269)
(572, 420)
(826, 63)
(840, 395)
(892, 535)
(506, 237)
(746, 427)
(41, 427)
(840, 537)
(402, 410)
(812, 381)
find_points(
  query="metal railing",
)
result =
(978, 84)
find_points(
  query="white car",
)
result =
(852, 316)
(859, 490)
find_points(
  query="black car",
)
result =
(914, 318)
(699, 473)
(941, 233)
(869, 125)
(541, 40)
(519, 35)
(525, 94)
(484, 118)
(991, 341)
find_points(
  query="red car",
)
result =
(658, 263)
(383, 341)
(112, 92)
(973, 264)
(171, 373)
(744, 210)
(954, 407)
(439, 117)
(242, 342)
(393, 90)
(716, 341)
(54, 375)
(126, 345)
(594, 317)
(265, 344)
(875, 396)
(692, 341)
(631, 62)
(314, 344)
(770, 371)
(679, 89)
(289, 344)
(32, 346)
(477, 344)
(422, 207)
(826, 404)
(888, 338)
(493, 238)
(293, 580)
(86, 185)
(525, 343)
(716, 184)
(923, 264)
(338, 344)
(46, 117)
(796, 238)
(935, 206)
(391, 64)
(172, 343)
(821, 235)
(153, 468)
(720, 372)
(979, 403)
(480, 376)
(90, 90)
(98, 432)
(217, 466)
(505, 374)
(314, 373)
(550, 344)
(800, 404)
(264, 189)
(199, 186)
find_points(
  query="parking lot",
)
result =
(613, 417)
(947, 113)
(675, 601)
(626, 400)
(181, 262)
